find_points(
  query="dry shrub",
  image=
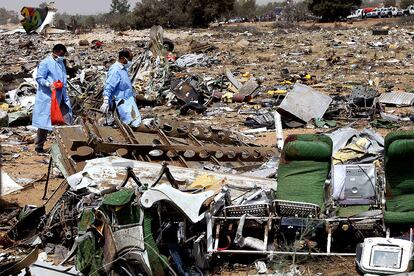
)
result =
(242, 28)
(384, 23)
(406, 20)
(313, 27)
(285, 25)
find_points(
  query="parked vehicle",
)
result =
(373, 14)
(367, 10)
(380, 12)
(400, 12)
(385, 12)
(358, 14)
(395, 11)
(409, 10)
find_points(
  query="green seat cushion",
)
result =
(89, 257)
(399, 173)
(304, 166)
(401, 203)
(307, 147)
(309, 138)
(302, 181)
(158, 262)
(400, 178)
(305, 150)
(118, 198)
(350, 211)
(397, 135)
(401, 149)
(399, 218)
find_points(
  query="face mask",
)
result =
(128, 64)
(59, 58)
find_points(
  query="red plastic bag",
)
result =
(55, 114)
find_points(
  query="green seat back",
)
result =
(399, 173)
(304, 166)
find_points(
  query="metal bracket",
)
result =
(188, 204)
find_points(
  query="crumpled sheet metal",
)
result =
(341, 137)
(397, 98)
(249, 87)
(188, 203)
(150, 75)
(157, 39)
(193, 60)
(22, 264)
(351, 145)
(305, 103)
(45, 268)
(19, 117)
(101, 173)
(185, 91)
(362, 92)
(233, 80)
(8, 185)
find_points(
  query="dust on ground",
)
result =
(338, 55)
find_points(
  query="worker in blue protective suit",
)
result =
(118, 92)
(50, 70)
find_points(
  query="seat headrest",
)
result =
(310, 147)
(399, 144)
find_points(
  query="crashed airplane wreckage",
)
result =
(131, 213)
(183, 145)
(176, 198)
(37, 19)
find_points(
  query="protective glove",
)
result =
(105, 106)
(52, 86)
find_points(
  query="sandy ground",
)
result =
(29, 165)
(267, 53)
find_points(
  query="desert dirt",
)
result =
(271, 48)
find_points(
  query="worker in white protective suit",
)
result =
(118, 92)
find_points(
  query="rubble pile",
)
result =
(254, 142)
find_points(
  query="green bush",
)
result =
(405, 3)
(120, 22)
(180, 13)
(332, 10)
(120, 7)
(8, 16)
(390, 3)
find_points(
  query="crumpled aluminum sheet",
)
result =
(305, 103)
(397, 98)
(192, 60)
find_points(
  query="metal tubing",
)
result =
(251, 218)
(278, 253)
(279, 130)
(328, 245)
(47, 178)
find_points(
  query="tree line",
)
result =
(8, 16)
(199, 13)
(171, 13)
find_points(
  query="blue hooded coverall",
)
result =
(49, 71)
(118, 88)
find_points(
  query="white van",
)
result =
(358, 14)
